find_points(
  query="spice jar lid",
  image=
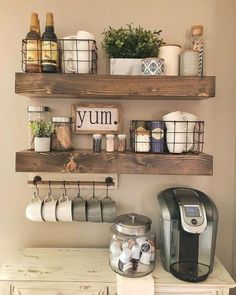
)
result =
(133, 224)
(121, 136)
(61, 119)
(110, 136)
(38, 109)
(97, 136)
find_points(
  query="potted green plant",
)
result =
(127, 46)
(42, 131)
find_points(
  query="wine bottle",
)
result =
(49, 47)
(33, 46)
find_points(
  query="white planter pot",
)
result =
(42, 144)
(125, 66)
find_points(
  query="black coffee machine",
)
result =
(188, 231)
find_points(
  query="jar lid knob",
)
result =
(133, 217)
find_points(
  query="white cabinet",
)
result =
(48, 271)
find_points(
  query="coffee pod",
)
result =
(135, 252)
(125, 245)
(115, 249)
(146, 247)
(145, 258)
(140, 241)
(125, 255)
(124, 258)
(128, 268)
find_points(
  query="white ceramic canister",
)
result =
(170, 53)
(189, 60)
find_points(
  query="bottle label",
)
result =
(158, 133)
(33, 51)
(49, 53)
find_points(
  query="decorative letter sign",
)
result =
(96, 118)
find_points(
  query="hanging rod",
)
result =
(38, 180)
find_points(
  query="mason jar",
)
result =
(132, 246)
(36, 113)
(62, 136)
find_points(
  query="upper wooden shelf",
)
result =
(85, 161)
(114, 87)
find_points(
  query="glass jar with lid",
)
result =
(62, 136)
(36, 113)
(132, 246)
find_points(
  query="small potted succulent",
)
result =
(42, 131)
(127, 46)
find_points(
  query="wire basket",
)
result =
(71, 56)
(155, 137)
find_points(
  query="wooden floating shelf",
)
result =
(85, 161)
(114, 87)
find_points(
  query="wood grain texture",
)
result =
(114, 87)
(85, 161)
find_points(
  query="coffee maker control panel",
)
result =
(192, 211)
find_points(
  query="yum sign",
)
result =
(92, 118)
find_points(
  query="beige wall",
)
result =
(136, 193)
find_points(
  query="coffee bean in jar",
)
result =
(132, 246)
(62, 136)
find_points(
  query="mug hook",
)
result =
(37, 189)
(78, 188)
(64, 187)
(49, 188)
(93, 189)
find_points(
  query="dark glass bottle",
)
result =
(49, 47)
(33, 46)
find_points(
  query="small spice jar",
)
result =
(62, 136)
(36, 113)
(121, 142)
(97, 143)
(132, 246)
(110, 142)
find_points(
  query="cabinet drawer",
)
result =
(58, 289)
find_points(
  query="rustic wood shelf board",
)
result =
(85, 161)
(114, 87)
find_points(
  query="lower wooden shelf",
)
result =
(85, 161)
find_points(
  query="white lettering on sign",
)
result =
(96, 118)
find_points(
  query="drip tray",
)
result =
(190, 271)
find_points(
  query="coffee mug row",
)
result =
(67, 210)
(180, 130)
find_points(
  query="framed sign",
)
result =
(96, 118)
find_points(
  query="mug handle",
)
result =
(67, 67)
(48, 198)
(35, 198)
(189, 136)
(63, 197)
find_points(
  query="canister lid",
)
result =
(61, 119)
(38, 109)
(197, 30)
(133, 224)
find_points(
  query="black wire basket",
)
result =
(155, 137)
(71, 56)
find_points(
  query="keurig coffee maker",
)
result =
(188, 233)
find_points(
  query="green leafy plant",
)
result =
(131, 42)
(42, 128)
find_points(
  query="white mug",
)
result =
(49, 209)
(64, 209)
(173, 121)
(34, 209)
(77, 57)
(176, 141)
